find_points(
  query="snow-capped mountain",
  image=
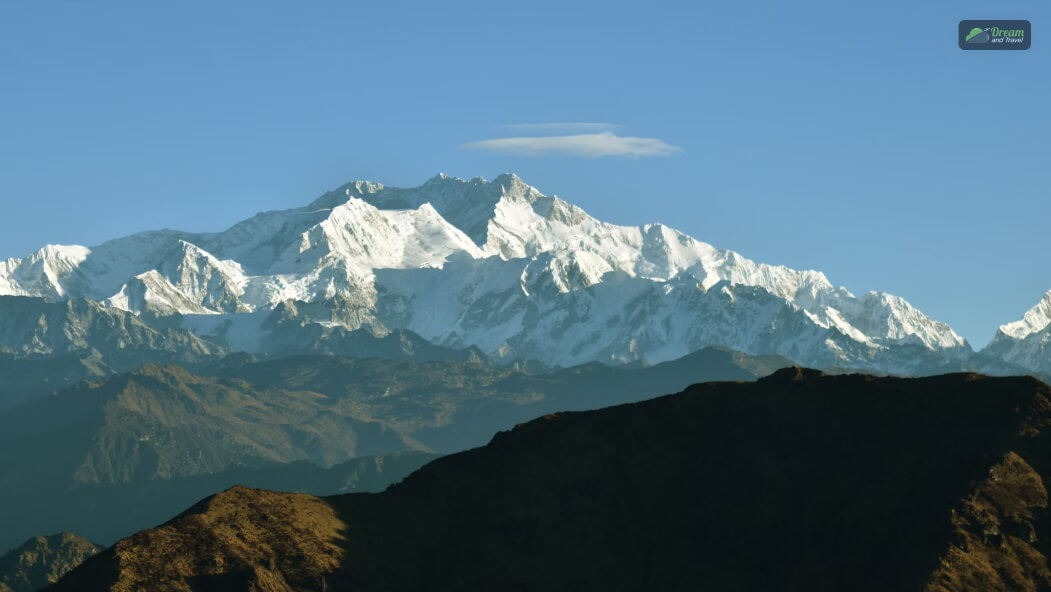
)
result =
(34, 327)
(1025, 343)
(492, 264)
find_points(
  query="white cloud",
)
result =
(582, 145)
(561, 128)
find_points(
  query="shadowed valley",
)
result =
(107, 458)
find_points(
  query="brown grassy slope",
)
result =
(994, 534)
(797, 482)
(43, 560)
(241, 539)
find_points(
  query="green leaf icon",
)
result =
(974, 31)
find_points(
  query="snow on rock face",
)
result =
(892, 319)
(360, 236)
(1035, 320)
(467, 205)
(495, 264)
(48, 272)
(1025, 343)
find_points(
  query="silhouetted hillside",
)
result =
(799, 481)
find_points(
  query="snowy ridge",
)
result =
(1025, 343)
(494, 264)
(1035, 320)
(45, 273)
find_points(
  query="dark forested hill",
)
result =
(799, 481)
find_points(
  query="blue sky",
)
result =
(855, 138)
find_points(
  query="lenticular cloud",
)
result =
(579, 145)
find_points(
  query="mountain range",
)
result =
(340, 346)
(799, 481)
(463, 269)
(118, 454)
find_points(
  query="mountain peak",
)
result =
(441, 178)
(1035, 320)
(467, 205)
(345, 192)
(43, 560)
(507, 178)
(512, 185)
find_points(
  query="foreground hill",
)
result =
(43, 560)
(108, 512)
(105, 459)
(799, 481)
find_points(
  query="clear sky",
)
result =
(851, 137)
